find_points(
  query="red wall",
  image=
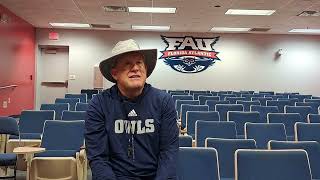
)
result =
(17, 64)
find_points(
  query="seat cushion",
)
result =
(8, 159)
(57, 153)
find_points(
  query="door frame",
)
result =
(37, 83)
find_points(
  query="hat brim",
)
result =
(150, 61)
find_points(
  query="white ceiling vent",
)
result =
(101, 26)
(115, 8)
(259, 29)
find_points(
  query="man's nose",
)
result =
(135, 67)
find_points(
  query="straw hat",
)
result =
(123, 47)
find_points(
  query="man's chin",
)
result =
(136, 86)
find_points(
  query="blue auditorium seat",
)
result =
(62, 135)
(233, 100)
(82, 97)
(274, 97)
(264, 110)
(73, 115)
(223, 96)
(82, 106)
(224, 108)
(266, 92)
(192, 92)
(187, 107)
(313, 100)
(247, 92)
(71, 101)
(196, 95)
(198, 163)
(238, 94)
(226, 149)
(292, 101)
(212, 129)
(307, 132)
(285, 95)
(247, 104)
(312, 148)
(8, 126)
(262, 100)
(288, 119)
(240, 118)
(212, 104)
(176, 91)
(182, 93)
(203, 99)
(314, 106)
(302, 110)
(272, 165)
(63, 141)
(225, 92)
(214, 93)
(180, 102)
(181, 97)
(193, 116)
(314, 118)
(31, 123)
(262, 133)
(300, 97)
(250, 96)
(280, 104)
(185, 141)
(57, 108)
(89, 92)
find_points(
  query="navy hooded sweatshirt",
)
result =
(132, 139)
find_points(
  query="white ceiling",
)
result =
(191, 15)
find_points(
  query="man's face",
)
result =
(130, 71)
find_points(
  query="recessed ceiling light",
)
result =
(152, 9)
(152, 28)
(230, 29)
(305, 31)
(70, 25)
(250, 12)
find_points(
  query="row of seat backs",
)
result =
(238, 93)
(205, 163)
(89, 92)
(313, 103)
(56, 135)
(237, 123)
(223, 109)
(31, 123)
(261, 132)
(59, 108)
(202, 97)
(240, 118)
(71, 101)
(82, 97)
(244, 94)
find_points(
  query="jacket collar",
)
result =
(115, 93)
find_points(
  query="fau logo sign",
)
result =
(188, 54)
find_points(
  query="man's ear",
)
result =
(114, 73)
